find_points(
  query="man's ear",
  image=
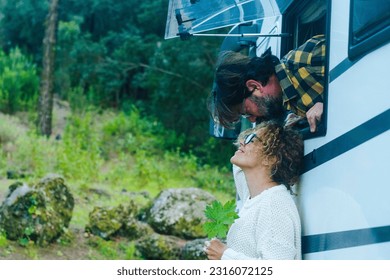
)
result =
(252, 85)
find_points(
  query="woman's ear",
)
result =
(268, 161)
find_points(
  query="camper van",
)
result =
(344, 193)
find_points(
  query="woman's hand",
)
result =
(214, 249)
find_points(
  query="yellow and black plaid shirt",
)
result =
(301, 75)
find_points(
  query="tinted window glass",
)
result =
(369, 25)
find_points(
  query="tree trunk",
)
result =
(46, 87)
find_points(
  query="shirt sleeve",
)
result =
(301, 75)
(230, 254)
(241, 185)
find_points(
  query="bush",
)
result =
(79, 153)
(19, 83)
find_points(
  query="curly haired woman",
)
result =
(268, 226)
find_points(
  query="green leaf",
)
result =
(28, 231)
(215, 229)
(32, 209)
(24, 241)
(220, 217)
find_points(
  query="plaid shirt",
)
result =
(301, 75)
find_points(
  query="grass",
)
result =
(106, 158)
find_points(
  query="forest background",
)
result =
(129, 110)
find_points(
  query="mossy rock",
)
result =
(106, 222)
(193, 250)
(180, 212)
(134, 229)
(109, 222)
(160, 247)
(39, 213)
(58, 195)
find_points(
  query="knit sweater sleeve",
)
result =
(240, 183)
(230, 254)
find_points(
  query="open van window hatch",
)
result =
(186, 35)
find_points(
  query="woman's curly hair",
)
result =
(282, 147)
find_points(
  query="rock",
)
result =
(106, 222)
(109, 222)
(134, 229)
(180, 212)
(39, 213)
(193, 250)
(160, 247)
(59, 195)
(15, 174)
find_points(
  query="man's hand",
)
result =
(214, 249)
(314, 115)
(292, 119)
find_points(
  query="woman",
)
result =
(268, 226)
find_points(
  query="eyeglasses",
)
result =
(249, 138)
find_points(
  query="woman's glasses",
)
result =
(249, 138)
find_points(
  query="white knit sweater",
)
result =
(268, 227)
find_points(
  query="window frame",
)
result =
(369, 43)
(289, 25)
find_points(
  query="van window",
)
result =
(369, 26)
(303, 20)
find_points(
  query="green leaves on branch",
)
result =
(19, 82)
(220, 218)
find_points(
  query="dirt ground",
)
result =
(76, 250)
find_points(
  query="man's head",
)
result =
(245, 86)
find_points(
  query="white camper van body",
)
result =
(344, 201)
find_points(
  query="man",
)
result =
(264, 88)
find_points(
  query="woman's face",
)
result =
(249, 152)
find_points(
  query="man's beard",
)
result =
(270, 108)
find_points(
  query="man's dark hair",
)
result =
(232, 72)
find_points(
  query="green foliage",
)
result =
(182, 83)
(220, 218)
(80, 157)
(111, 54)
(129, 133)
(3, 239)
(112, 250)
(68, 33)
(130, 251)
(22, 25)
(10, 129)
(118, 150)
(25, 241)
(18, 82)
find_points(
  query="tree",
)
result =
(21, 26)
(46, 89)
